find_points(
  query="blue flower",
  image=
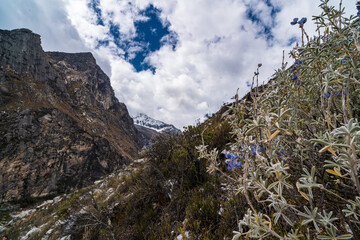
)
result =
(294, 21)
(230, 166)
(302, 21)
(237, 164)
(242, 155)
(327, 95)
(358, 13)
(256, 149)
(282, 153)
(147, 146)
(253, 150)
(297, 83)
(294, 77)
(233, 163)
(228, 155)
(340, 93)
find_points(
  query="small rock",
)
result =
(68, 237)
(4, 89)
(24, 213)
(31, 232)
(57, 199)
(25, 112)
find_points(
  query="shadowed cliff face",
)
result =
(61, 126)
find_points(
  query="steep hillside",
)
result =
(280, 163)
(61, 125)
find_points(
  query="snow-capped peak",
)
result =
(143, 120)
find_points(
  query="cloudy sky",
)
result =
(174, 60)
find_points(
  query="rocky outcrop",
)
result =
(147, 134)
(61, 126)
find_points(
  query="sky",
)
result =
(174, 60)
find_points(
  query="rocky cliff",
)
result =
(61, 126)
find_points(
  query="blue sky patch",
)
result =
(266, 27)
(94, 5)
(291, 41)
(104, 43)
(274, 10)
(151, 34)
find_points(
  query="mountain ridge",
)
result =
(144, 120)
(61, 125)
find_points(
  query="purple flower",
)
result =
(297, 83)
(230, 166)
(294, 21)
(327, 95)
(302, 21)
(241, 155)
(294, 77)
(282, 153)
(231, 161)
(237, 164)
(228, 154)
(233, 164)
(253, 149)
(340, 93)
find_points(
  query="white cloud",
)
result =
(218, 47)
(46, 18)
(50, 20)
(218, 51)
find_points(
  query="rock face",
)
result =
(61, 126)
(147, 134)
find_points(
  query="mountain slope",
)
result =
(280, 163)
(143, 120)
(149, 127)
(61, 125)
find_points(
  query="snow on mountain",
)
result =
(143, 120)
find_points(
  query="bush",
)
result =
(297, 139)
